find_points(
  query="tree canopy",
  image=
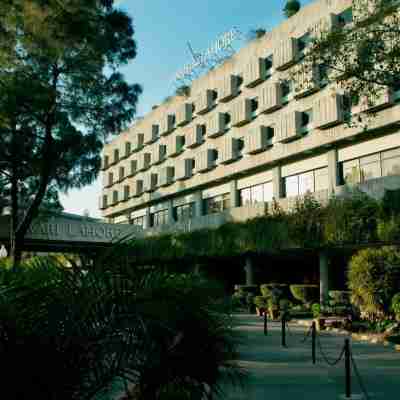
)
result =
(61, 96)
(291, 8)
(362, 50)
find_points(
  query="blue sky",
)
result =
(163, 29)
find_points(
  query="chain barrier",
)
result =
(360, 380)
(306, 336)
(330, 363)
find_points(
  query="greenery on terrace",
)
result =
(357, 219)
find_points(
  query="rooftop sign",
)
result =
(215, 54)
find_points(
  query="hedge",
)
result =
(305, 293)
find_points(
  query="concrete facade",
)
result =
(240, 139)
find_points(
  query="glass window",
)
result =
(184, 212)
(245, 196)
(257, 194)
(391, 166)
(268, 66)
(391, 153)
(159, 218)
(217, 204)
(306, 183)
(139, 221)
(321, 179)
(370, 171)
(291, 184)
(268, 190)
(351, 172)
(345, 17)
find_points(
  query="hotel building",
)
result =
(255, 128)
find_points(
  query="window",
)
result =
(203, 130)
(321, 179)
(323, 75)
(254, 107)
(138, 221)
(345, 17)
(159, 218)
(121, 173)
(350, 172)
(370, 167)
(396, 91)
(240, 146)
(115, 196)
(239, 81)
(257, 194)
(286, 88)
(133, 167)
(303, 42)
(127, 148)
(180, 143)
(163, 151)
(306, 119)
(306, 182)
(140, 141)
(116, 155)
(227, 118)
(217, 204)
(373, 166)
(391, 162)
(106, 161)
(268, 66)
(110, 178)
(184, 212)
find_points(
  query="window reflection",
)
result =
(256, 194)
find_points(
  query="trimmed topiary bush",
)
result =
(374, 278)
(305, 293)
(276, 291)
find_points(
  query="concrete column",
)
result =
(171, 219)
(147, 219)
(234, 194)
(333, 170)
(277, 182)
(249, 268)
(198, 204)
(323, 278)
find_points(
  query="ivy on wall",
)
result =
(357, 219)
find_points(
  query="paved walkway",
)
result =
(276, 373)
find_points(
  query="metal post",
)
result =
(314, 339)
(265, 324)
(347, 361)
(283, 330)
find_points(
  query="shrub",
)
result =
(374, 278)
(261, 302)
(352, 219)
(339, 297)
(316, 310)
(389, 230)
(291, 8)
(276, 291)
(305, 293)
(395, 306)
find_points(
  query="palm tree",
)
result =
(114, 329)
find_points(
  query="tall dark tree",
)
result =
(291, 8)
(61, 96)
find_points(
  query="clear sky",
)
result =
(162, 30)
